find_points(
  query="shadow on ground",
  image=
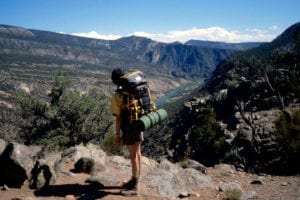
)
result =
(81, 192)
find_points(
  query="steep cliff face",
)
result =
(252, 93)
(278, 59)
(133, 52)
(176, 59)
(223, 45)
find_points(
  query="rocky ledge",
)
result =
(87, 172)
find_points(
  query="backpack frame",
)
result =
(137, 100)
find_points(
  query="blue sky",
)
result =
(160, 20)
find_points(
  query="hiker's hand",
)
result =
(118, 141)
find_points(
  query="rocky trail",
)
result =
(160, 180)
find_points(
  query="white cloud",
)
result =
(210, 34)
(95, 35)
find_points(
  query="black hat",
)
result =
(116, 75)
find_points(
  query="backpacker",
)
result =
(137, 99)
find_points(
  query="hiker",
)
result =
(131, 138)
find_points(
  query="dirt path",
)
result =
(74, 187)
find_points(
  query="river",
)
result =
(177, 92)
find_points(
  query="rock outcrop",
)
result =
(159, 180)
(16, 163)
(20, 163)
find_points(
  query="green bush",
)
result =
(35, 115)
(288, 137)
(233, 194)
(69, 118)
(206, 142)
(288, 131)
(108, 143)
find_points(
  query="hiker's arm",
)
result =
(118, 124)
(118, 131)
(115, 108)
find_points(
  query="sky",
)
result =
(160, 20)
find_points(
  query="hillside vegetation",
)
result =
(68, 117)
(255, 97)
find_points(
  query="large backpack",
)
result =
(137, 100)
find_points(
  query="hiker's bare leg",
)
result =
(132, 186)
(139, 157)
(135, 158)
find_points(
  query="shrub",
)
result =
(35, 114)
(288, 137)
(288, 131)
(108, 145)
(233, 194)
(205, 141)
(69, 118)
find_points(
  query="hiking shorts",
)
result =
(131, 136)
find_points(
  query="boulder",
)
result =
(230, 186)
(193, 164)
(42, 175)
(122, 164)
(84, 165)
(245, 134)
(170, 180)
(249, 194)
(2, 145)
(77, 153)
(16, 162)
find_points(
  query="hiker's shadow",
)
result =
(90, 191)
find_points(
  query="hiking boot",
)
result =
(130, 192)
(131, 188)
(131, 184)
